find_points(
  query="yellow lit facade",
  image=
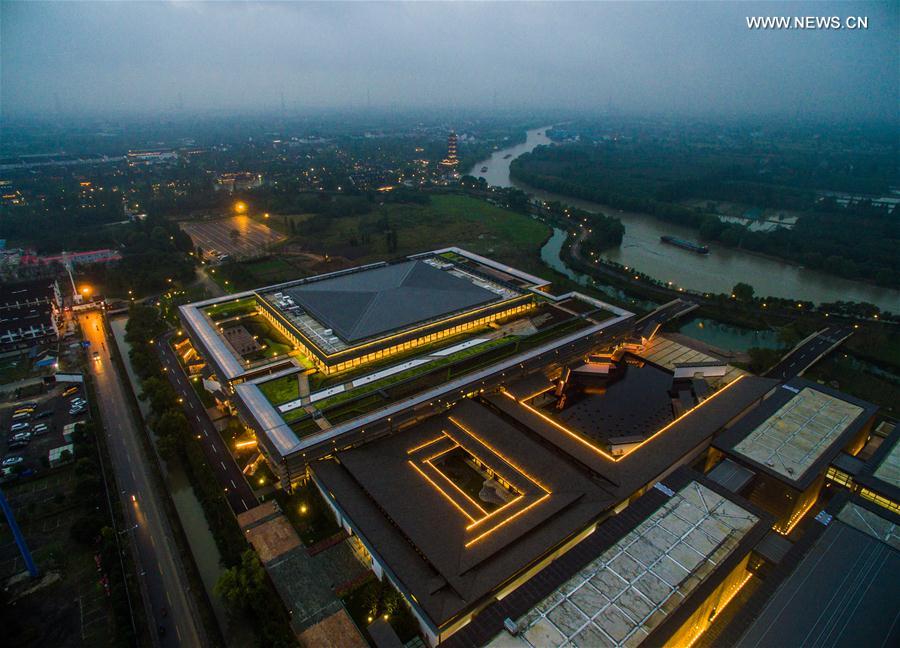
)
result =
(404, 341)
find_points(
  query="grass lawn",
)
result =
(309, 513)
(470, 223)
(249, 275)
(232, 308)
(281, 390)
(403, 375)
(281, 222)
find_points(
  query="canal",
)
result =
(190, 511)
(715, 272)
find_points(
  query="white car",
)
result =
(12, 461)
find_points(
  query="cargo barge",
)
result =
(687, 245)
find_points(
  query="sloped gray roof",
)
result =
(362, 305)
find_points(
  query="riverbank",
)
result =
(716, 272)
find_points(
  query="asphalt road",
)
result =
(237, 491)
(163, 583)
(802, 357)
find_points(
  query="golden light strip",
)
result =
(600, 451)
(426, 444)
(494, 512)
(506, 521)
(795, 519)
(443, 452)
(539, 392)
(441, 491)
(458, 489)
(721, 607)
(348, 351)
(496, 452)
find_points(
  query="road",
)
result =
(237, 491)
(805, 355)
(163, 582)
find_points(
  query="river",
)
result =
(715, 272)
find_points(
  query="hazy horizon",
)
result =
(694, 59)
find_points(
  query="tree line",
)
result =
(857, 242)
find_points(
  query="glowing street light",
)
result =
(240, 207)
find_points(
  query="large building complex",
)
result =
(529, 469)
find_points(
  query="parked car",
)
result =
(12, 460)
(75, 411)
(44, 414)
(18, 427)
(40, 428)
(21, 416)
(69, 391)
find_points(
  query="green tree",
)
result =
(742, 292)
(241, 584)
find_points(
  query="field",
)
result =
(448, 220)
(240, 237)
(249, 275)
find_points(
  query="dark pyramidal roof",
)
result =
(366, 304)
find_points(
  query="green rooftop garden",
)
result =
(232, 308)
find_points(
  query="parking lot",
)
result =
(239, 237)
(34, 425)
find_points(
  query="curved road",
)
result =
(163, 583)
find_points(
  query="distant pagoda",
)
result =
(449, 163)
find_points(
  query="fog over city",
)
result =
(681, 58)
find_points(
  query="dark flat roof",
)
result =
(612, 412)
(843, 593)
(661, 451)
(375, 301)
(420, 535)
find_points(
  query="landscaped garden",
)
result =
(309, 513)
(234, 308)
(378, 598)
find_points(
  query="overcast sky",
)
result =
(650, 57)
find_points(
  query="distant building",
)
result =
(240, 181)
(151, 156)
(76, 258)
(29, 311)
(449, 164)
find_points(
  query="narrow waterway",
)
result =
(716, 272)
(550, 254)
(190, 512)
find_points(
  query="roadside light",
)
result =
(266, 215)
(85, 290)
(240, 207)
(303, 509)
(262, 480)
(387, 616)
